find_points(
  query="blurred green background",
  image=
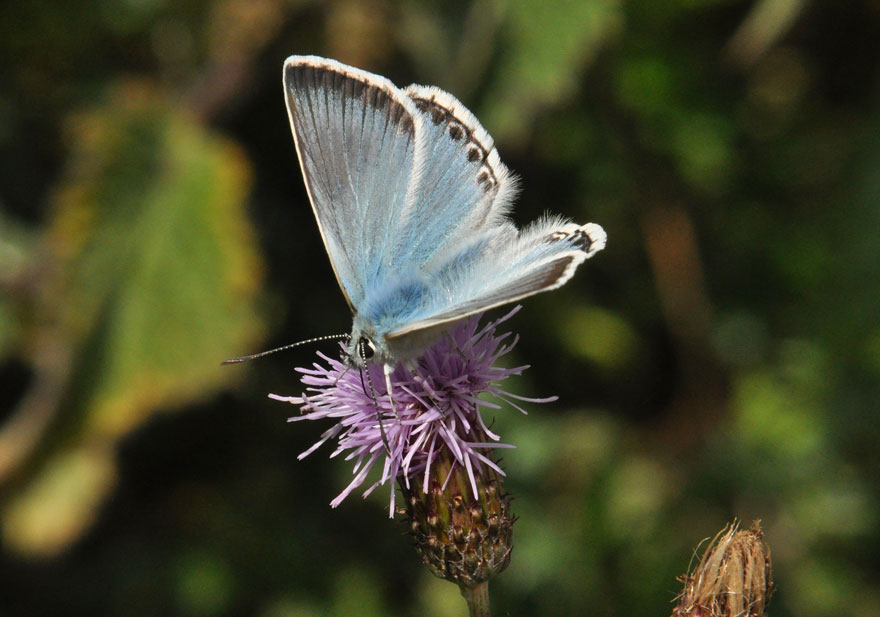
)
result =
(720, 359)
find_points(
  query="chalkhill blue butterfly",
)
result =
(412, 201)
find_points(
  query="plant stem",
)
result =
(477, 598)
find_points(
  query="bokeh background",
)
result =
(720, 359)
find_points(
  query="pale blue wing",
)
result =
(464, 187)
(499, 267)
(357, 137)
(411, 199)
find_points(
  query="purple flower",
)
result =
(436, 409)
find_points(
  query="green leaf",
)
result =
(549, 44)
(159, 265)
(155, 278)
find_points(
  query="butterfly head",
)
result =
(365, 348)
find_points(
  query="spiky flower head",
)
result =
(431, 438)
(433, 411)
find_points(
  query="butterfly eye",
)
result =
(366, 349)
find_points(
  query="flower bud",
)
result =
(461, 538)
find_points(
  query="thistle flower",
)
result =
(429, 436)
(435, 414)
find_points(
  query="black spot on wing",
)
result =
(578, 238)
(476, 152)
(582, 240)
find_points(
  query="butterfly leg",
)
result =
(457, 348)
(341, 375)
(429, 396)
(388, 370)
(372, 394)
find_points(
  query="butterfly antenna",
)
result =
(317, 339)
(375, 401)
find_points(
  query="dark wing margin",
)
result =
(541, 258)
(356, 138)
(464, 187)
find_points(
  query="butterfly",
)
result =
(412, 202)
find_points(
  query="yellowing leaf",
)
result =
(160, 268)
(155, 274)
(60, 503)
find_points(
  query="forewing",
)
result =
(504, 266)
(358, 141)
(464, 187)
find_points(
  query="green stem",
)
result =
(477, 598)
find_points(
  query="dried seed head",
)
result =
(733, 579)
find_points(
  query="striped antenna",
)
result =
(317, 339)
